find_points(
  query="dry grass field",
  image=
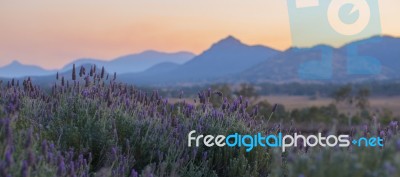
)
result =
(292, 102)
(299, 102)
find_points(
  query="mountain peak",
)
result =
(15, 63)
(16, 69)
(229, 41)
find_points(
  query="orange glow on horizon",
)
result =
(51, 34)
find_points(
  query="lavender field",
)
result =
(88, 124)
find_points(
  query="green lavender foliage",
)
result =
(94, 126)
(113, 129)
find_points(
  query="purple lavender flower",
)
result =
(25, 169)
(52, 148)
(85, 92)
(382, 133)
(61, 168)
(134, 173)
(121, 170)
(49, 158)
(8, 130)
(31, 158)
(113, 154)
(71, 170)
(389, 168)
(9, 158)
(205, 155)
(393, 124)
(3, 171)
(28, 141)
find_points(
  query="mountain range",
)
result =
(230, 60)
(16, 69)
(225, 57)
(125, 64)
(375, 58)
(135, 62)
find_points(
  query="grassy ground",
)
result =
(293, 102)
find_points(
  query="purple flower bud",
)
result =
(52, 147)
(80, 159)
(49, 157)
(28, 141)
(113, 154)
(25, 169)
(365, 127)
(134, 173)
(71, 170)
(31, 158)
(389, 133)
(389, 168)
(393, 124)
(8, 130)
(121, 170)
(85, 163)
(398, 145)
(382, 134)
(9, 158)
(3, 171)
(194, 152)
(255, 111)
(205, 155)
(61, 168)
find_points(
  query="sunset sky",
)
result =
(51, 33)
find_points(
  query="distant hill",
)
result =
(125, 64)
(135, 62)
(227, 56)
(15, 69)
(286, 67)
(161, 68)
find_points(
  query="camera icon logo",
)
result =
(334, 22)
(358, 18)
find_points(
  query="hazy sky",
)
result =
(51, 33)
